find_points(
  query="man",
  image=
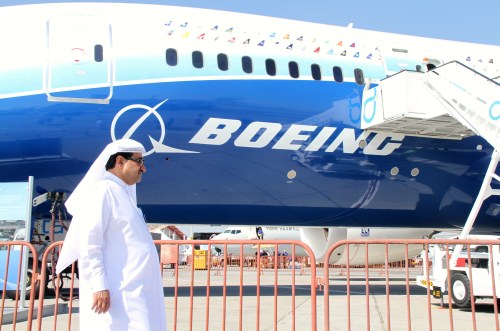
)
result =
(120, 279)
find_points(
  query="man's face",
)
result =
(132, 169)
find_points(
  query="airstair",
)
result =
(450, 102)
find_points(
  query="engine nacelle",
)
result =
(321, 239)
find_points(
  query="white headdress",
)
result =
(80, 197)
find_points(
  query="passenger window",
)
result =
(359, 76)
(197, 58)
(222, 62)
(246, 64)
(316, 72)
(271, 67)
(171, 56)
(293, 68)
(337, 74)
(98, 53)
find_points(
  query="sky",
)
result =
(461, 20)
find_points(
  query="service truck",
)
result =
(457, 283)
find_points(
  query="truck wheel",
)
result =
(460, 290)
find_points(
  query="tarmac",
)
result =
(370, 307)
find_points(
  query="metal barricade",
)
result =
(392, 299)
(230, 284)
(15, 313)
(242, 291)
(219, 293)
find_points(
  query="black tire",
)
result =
(460, 290)
(29, 276)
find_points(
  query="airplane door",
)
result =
(79, 66)
(252, 232)
(398, 57)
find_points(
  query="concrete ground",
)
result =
(367, 305)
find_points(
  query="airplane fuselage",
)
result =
(259, 117)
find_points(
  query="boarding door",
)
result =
(80, 66)
(398, 57)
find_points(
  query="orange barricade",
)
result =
(18, 265)
(215, 295)
(391, 296)
(241, 291)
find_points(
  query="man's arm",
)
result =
(95, 228)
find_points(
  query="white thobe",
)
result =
(118, 254)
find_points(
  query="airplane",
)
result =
(246, 119)
(319, 244)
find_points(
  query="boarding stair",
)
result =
(452, 101)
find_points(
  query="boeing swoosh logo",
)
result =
(158, 145)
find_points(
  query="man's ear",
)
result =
(120, 160)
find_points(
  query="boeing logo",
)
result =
(218, 131)
(158, 145)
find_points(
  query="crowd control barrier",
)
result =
(253, 285)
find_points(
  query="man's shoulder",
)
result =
(106, 185)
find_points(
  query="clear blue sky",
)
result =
(472, 21)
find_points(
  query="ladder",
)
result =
(470, 97)
(452, 101)
(449, 102)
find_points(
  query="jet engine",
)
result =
(321, 239)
